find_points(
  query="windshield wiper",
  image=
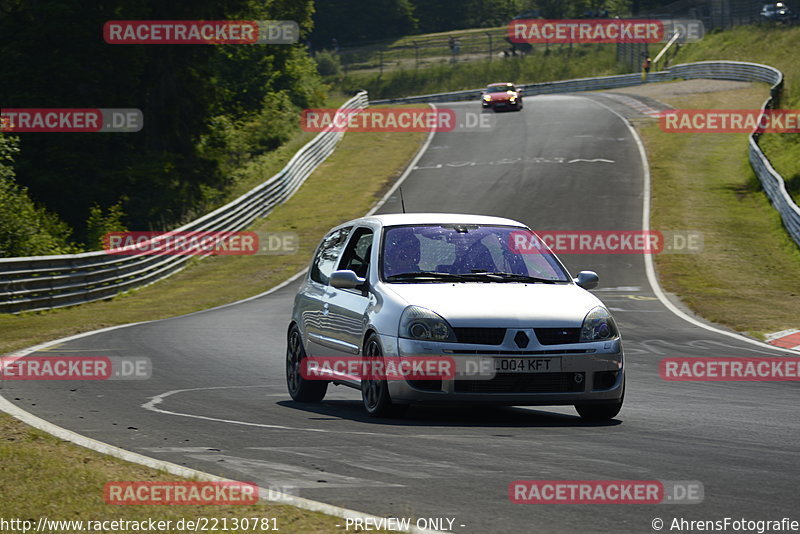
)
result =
(511, 277)
(433, 275)
(471, 277)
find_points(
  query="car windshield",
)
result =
(467, 253)
(500, 88)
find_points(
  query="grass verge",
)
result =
(254, 170)
(775, 46)
(342, 188)
(543, 65)
(43, 476)
(746, 277)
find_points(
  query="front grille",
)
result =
(548, 352)
(557, 336)
(480, 336)
(524, 383)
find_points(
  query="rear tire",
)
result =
(301, 389)
(375, 393)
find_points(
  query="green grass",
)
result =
(405, 52)
(344, 187)
(783, 151)
(43, 476)
(773, 45)
(543, 65)
(746, 277)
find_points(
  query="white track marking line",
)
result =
(158, 399)
(104, 448)
(648, 258)
(782, 333)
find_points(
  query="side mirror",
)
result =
(346, 279)
(586, 279)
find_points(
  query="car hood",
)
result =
(501, 96)
(501, 304)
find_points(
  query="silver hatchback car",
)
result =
(480, 292)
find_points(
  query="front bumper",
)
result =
(588, 373)
(501, 104)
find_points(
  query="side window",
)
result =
(329, 251)
(356, 255)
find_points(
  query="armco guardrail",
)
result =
(46, 282)
(724, 70)
(773, 183)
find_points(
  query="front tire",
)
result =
(375, 393)
(598, 412)
(301, 389)
(601, 412)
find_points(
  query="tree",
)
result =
(161, 172)
(350, 21)
(25, 228)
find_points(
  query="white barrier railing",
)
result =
(773, 183)
(46, 282)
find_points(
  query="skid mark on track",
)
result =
(379, 460)
(275, 474)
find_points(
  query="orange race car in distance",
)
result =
(502, 96)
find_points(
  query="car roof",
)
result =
(498, 84)
(401, 219)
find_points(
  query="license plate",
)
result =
(527, 365)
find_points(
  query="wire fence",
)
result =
(47, 282)
(492, 43)
(773, 183)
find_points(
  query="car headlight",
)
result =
(423, 324)
(598, 325)
(487, 98)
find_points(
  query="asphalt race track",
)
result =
(564, 163)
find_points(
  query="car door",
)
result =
(346, 308)
(313, 300)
